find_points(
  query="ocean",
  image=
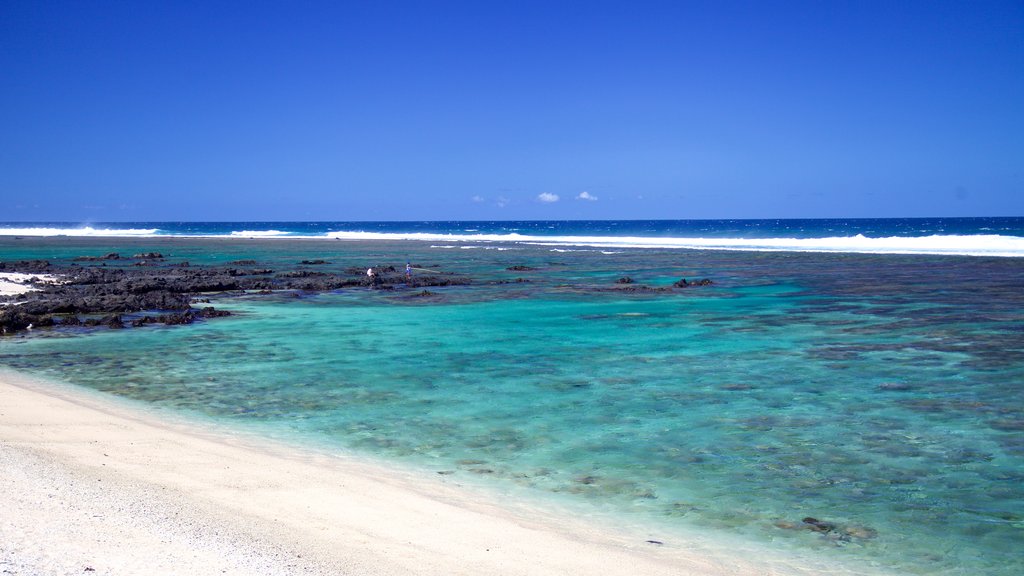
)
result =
(965, 236)
(868, 374)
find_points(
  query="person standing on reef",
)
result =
(408, 271)
(369, 273)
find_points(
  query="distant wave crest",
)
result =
(84, 231)
(259, 233)
(940, 244)
(966, 245)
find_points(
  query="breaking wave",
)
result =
(940, 244)
(965, 245)
(83, 231)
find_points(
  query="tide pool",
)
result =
(881, 394)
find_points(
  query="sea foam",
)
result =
(258, 233)
(83, 231)
(937, 244)
(964, 245)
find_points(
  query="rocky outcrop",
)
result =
(114, 291)
(682, 283)
(27, 266)
(98, 294)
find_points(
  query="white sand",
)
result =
(14, 283)
(91, 486)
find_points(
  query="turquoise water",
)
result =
(879, 393)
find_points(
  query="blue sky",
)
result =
(122, 111)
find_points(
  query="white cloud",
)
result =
(547, 197)
(478, 198)
(502, 201)
(586, 196)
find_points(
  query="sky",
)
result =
(402, 110)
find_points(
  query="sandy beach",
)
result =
(14, 283)
(95, 486)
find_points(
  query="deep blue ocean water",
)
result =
(882, 393)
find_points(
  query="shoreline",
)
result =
(94, 483)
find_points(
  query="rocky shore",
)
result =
(118, 291)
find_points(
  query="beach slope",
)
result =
(97, 486)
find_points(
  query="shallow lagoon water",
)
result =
(880, 393)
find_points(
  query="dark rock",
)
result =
(242, 263)
(26, 266)
(682, 283)
(818, 525)
(117, 290)
(314, 262)
(640, 288)
(110, 256)
(113, 321)
(139, 322)
(178, 319)
(211, 312)
(520, 268)
(624, 280)
(830, 530)
(149, 256)
(43, 321)
(13, 320)
(301, 274)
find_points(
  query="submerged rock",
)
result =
(818, 525)
(831, 530)
(110, 256)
